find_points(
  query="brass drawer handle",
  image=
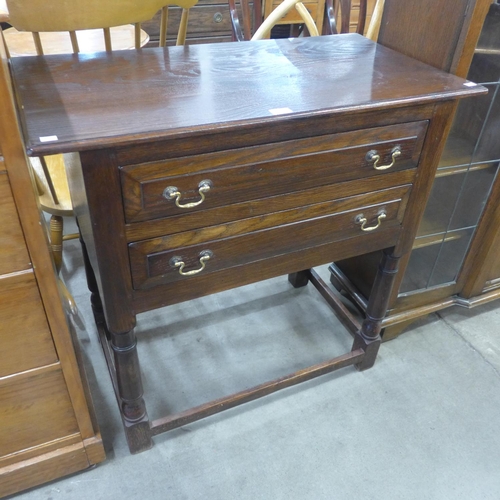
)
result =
(171, 192)
(375, 157)
(360, 219)
(204, 256)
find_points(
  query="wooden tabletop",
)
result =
(77, 102)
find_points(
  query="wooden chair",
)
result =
(339, 17)
(329, 16)
(78, 26)
(4, 13)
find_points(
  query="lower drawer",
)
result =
(185, 255)
(36, 409)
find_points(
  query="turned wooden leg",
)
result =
(95, 298)
(56, 239)
(368, 338)
(130, 392)
(299, 279)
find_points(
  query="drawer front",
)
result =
(185, 255)
(13, 253)
(36, 409)
(25, 338)
(258, 172)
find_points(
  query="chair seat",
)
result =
(21, 43)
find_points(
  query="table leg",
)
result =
(299, 279)
(368, 338)
(130, 392)
(120, 350)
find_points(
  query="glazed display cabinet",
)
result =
(455, 258)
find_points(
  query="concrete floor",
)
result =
(421, 424)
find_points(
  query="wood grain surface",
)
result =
(80, 99)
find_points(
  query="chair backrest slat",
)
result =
(107, 39)
(163, 26)
(74, 42)
(137, 35)
(38, 43)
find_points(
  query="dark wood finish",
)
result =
(47, 428)
(439, 33)
(369, 336)
(284, 135)
(348, 319)
(252, 240)
(224, 97)
(234, 179)
(218, 405)
(260, 207)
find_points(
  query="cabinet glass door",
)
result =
(467, 170)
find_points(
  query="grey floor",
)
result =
(423, 423)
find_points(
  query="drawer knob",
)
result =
(172, 193)
(361, 219)
(177, 262)
(375, 157)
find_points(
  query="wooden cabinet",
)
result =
(455, 257)
(47, 427)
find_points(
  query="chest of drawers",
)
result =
(205, 168)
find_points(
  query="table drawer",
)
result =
(184, 255)
(258, 172)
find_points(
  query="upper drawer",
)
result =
(257, 172)
(25, 339)
(13, 253)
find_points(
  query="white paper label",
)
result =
(49, 138)
(280, 111)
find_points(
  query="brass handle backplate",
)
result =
(361, 219)
(172, 193)
(203, 256)
(375, 158)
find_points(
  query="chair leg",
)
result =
(56, 238)
(56, 227)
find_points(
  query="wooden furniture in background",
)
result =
(353, 16)
(455, 253)
(47, 427)
(210, 21)
(330, 17)
(85, 26)
(64, 28)
(283, 13)
(286, 168)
